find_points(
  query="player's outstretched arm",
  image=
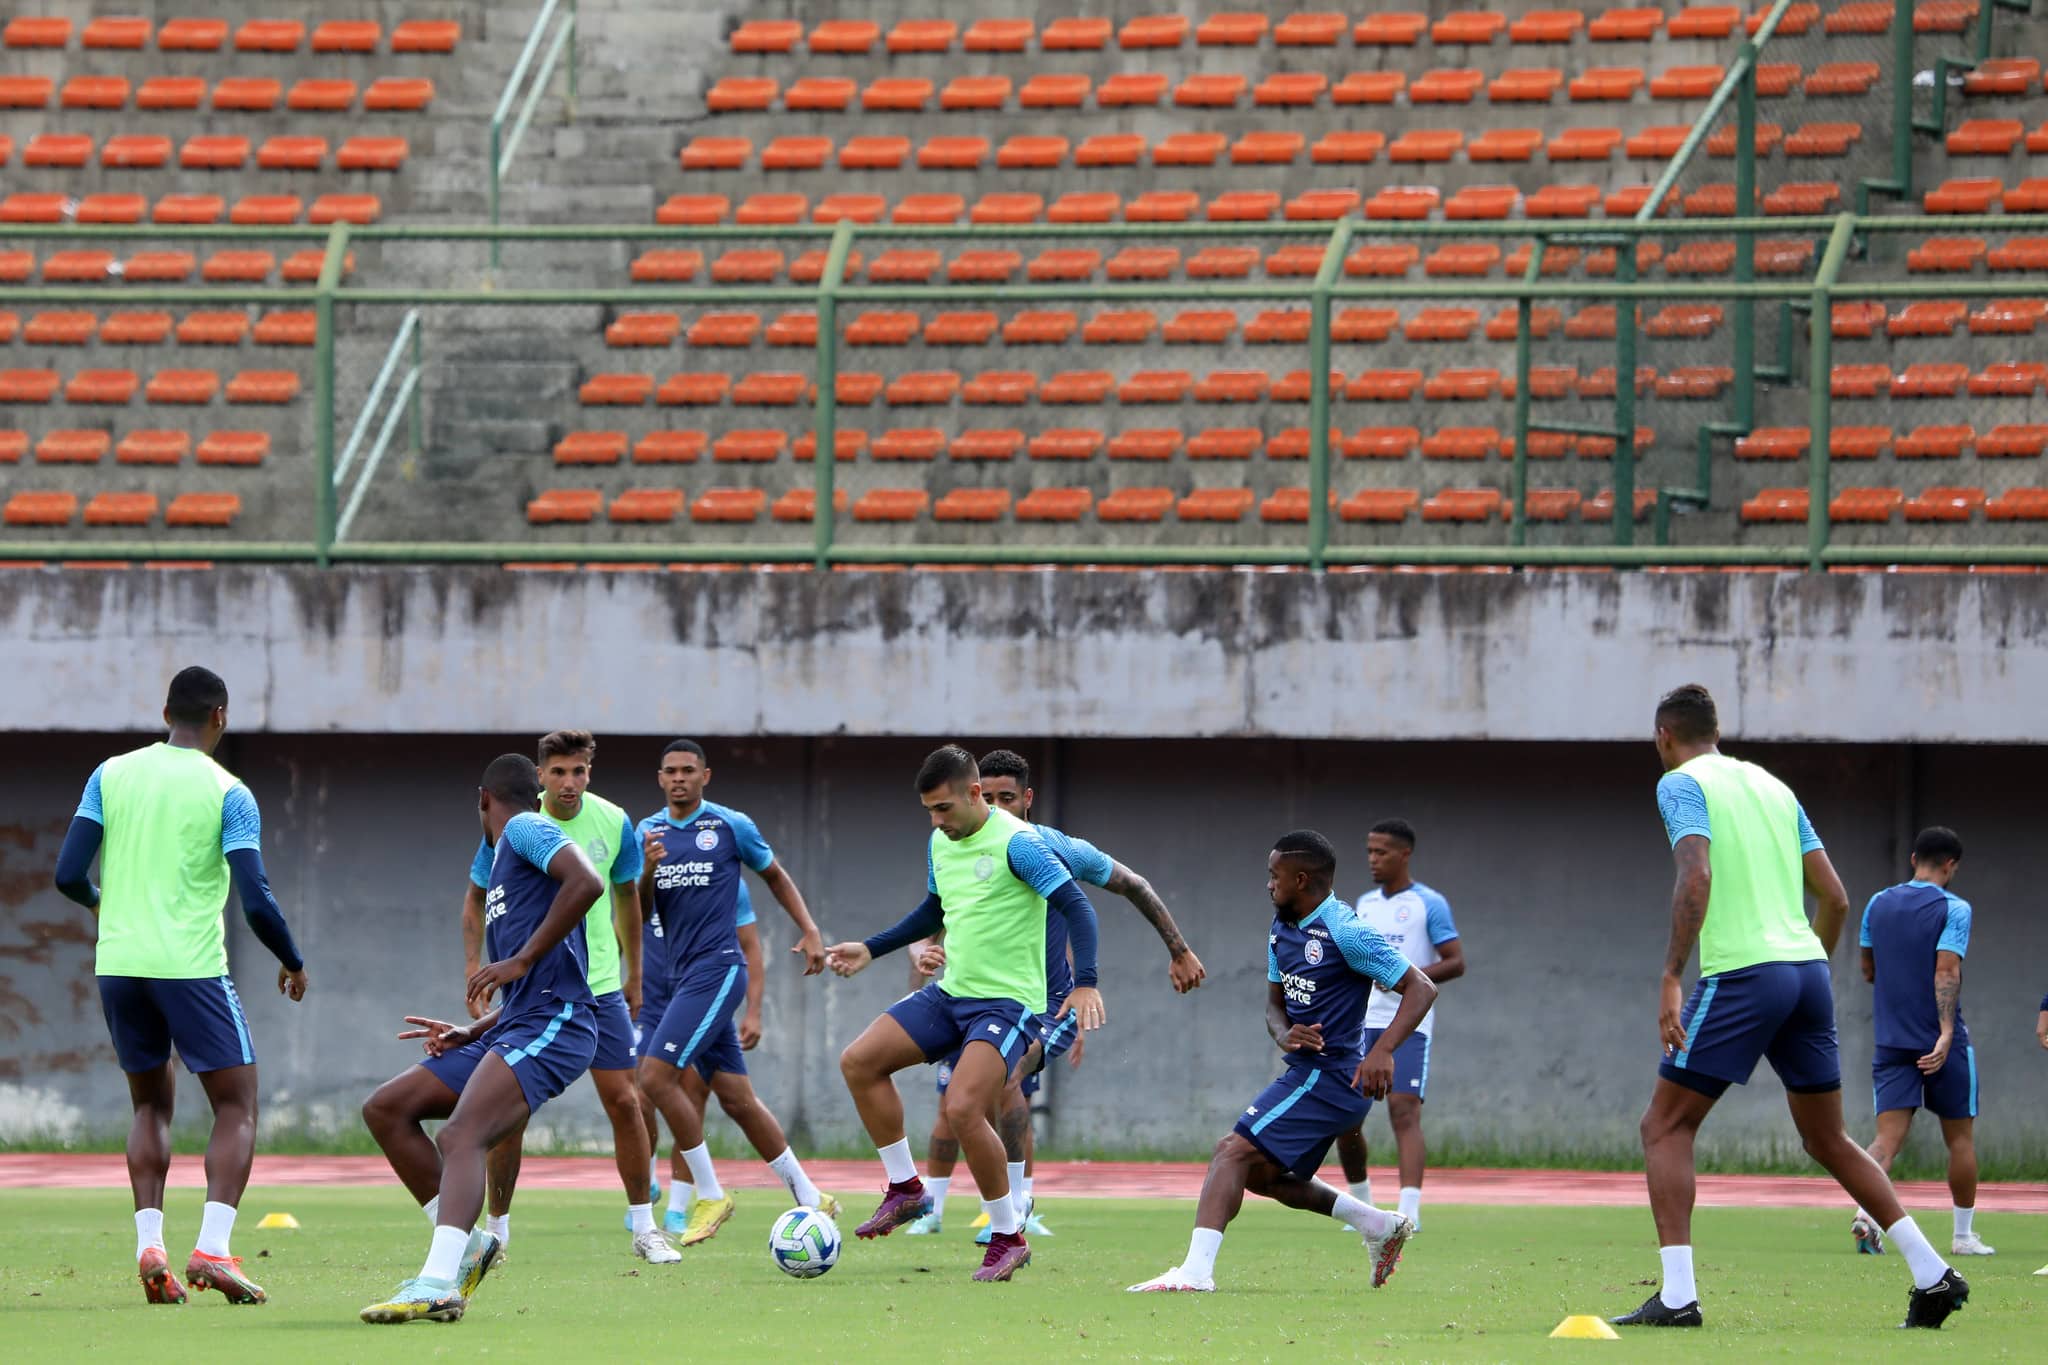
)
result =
(577, 890)
(437, 1036)
(74, 862)
(928, 919)
(266, 920)
(809, 942)
(1831, 910)
(1183, 967)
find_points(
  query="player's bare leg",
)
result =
(394, 1113)
(1404, 1114)
(737, 1098)
(619, 1092)
(1892, 1127)
(153, 1095)
(501, 1178)
(230, 1153)
(1669, 1128)
(978, 1081)
(869, 1064)
(941, 1155)
(1960, 1135)
(682, 1107)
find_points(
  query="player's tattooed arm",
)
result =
(1948, 994)
(1185, 968)
(1688, 914)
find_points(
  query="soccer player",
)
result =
(695, 852)
(1321, 962)
(989, 879)
(487, 1078)
(1915, 936)
(612, 934)
(1744, 850)
(172, 828)
(1417, 921)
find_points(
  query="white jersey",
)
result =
(1415, 920)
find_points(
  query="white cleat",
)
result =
(1386, 1251)
(655, 1249)
(1174, 1281)
(1970, 1244)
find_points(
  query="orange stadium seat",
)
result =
(1944, 503)
(1369, 87)
(203, 509)
(1085, 34)
(1065, 443)
(1379, 505)
(998, 35)
(1153, 31)
(267, 35)
(1136, 504)
(1456, 85)
(40, 509)
(1285, 89)
(849, 37)
(1390, 29)
(922, 35)
(717, 505)
(1054, 504)
(1625, 25)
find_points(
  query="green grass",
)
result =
(1480, 1285)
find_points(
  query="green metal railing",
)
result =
(504, 147)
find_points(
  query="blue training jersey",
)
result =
(1904, 926)
(516, 901)
(241, 824)
(1326, 967)
(1089, 866)
(653, 961)
(698, 887)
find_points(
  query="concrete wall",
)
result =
(1859, 657)
(1551, 854)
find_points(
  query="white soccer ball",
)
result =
(804, 1243)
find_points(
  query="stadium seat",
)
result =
(1219, 91)
(1369, 87)
(1464, 505)
(135, 328)
(1146, 443)
(1985, 137)
(986, 443)
(2003, 76)
(1347, 147)
(1865, 504)
(398, 94)
(1032, 152)
(1550, 504)
(998, 35)
(823, 94)
(1049, 90)
(591, 447)
(728, 505)
(154, 447)
(1686, 83)
(922, 36)
(1606, 83)
(1381, 443)
(2018, 504)
(2013, 440)
(1383, 386)
(1065, 443)
(847, 445)
(1136, 504)
(564, 505)
(909, 444)
(1390, 29)
(1153, 31)
(203, 509)
(1054, 504)
(963, 504)
(1936, 442)
(1084, 387)
(693, 389)
(1776, 505)
(2007, 379)
(647, 505)
(1453, 85)
(801, 504)
(1290, 89)
(69, 446)
(1379, 505)
(213, 329)
(1930, 379)
(1216, 504)
(40, 509)
(1003, 388)
(742, 94)
(249, 94)
(1944, 503)
(976, 93)
(1841, 78)
(167, 92)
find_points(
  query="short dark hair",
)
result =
(513, 779)
(1005, 763)
(193, 695)
(687, 746)
(1397, 829)
(1310, 849)
(1688, 713)
(560, 743)
(1937, 844)
(951, 766)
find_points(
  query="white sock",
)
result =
(703, 1174)
(1679, 1289)
(679, 1197)
(1002, 1215)
(654, 1170)
(641, 1216)
(938, 1185)
(1027, 1189)
(792, 1172)
(1411, 1204)
(216, 1225)
(897, 1163)
(1369, 1221)
(1921, 1258)
(1202, 1249)
(1963, 1218)
(1018, 1195)
(149, 1230)
(1361, 1190)
(432, 1208)
(444, 1260)
(499, 1225)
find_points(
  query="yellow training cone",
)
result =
(277, 1220)
(1584, 1327)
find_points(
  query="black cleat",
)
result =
(1931, 1306)
(1653, 1313)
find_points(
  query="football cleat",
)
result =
(1386, 1251)
(900, 1204)
(223, 1273)
(1970, 1244)
(484, 1254)
(1653, 1313)
(159, 1283)
(1174, 1281)
(707, 1216)
(1931, 1306)
(418, 1300)
(1006, 1255)
(925, 1225)
(652, 1247)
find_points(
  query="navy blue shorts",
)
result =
(1296, 1118)
(1780, 1012)
(546, 1049)
(696, 1027)
(1950, 1093)
(942, 1025)
(1029, 1085)
(202, 1017)
(617, 1039)
(653, 1004)
(1056, 1036)
(1411, 1064)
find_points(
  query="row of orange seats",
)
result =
(1324, 28)
(1979, 194)
(209, 152)
(1943, 255)
(212, 327)
(145, 446)
(1937, 318)
(121, 509)
(1995, 137)
(133, 34)
(92, 266)
(2013, 440)
(1880, 504)
(252, 210)
(247, 94)
(1935, 379)
(164, 386)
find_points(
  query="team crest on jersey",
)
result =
(1401, 914)
(1313, 951)
(984, 868)
(707, 839)
(600, 852)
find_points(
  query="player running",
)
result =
(1006, 783)
(612, 934)
(487, 1078)
(1417, 921)
(695, 851)
(1743, 848)
(1321, 962)
(989, 880)
(1915, 936)
(172, 828)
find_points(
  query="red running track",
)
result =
(1055, 1179)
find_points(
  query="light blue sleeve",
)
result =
(1683, 806)
(1035, 865)
(1272, 963)
(1437, 918)
(1863, 937)
(631, 860)
(89, 803)
(241, 825)
(1088, 863)
(480, 865)
(746, 836)
(1808, 840)
(1955, 935)
(535, 838)
(1365, 952)
(744, 913)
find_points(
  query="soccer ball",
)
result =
(804, 1243)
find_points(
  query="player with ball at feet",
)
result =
(1321, 964)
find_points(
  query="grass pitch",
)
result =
(1480, 1284)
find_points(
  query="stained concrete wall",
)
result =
(1348, 656)
(1551, 854)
